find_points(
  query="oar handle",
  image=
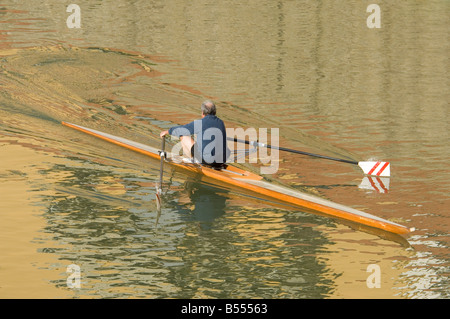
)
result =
(253, 143)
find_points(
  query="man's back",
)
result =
(210, 146)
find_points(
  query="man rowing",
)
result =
(210, 147)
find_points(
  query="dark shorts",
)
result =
(213, 165)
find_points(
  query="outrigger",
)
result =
(249, 182)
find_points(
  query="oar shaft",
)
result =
(163, 155)
(253, 143)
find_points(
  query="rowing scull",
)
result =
(241, 179)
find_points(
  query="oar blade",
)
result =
(376, 168)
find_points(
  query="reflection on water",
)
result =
(311, 68)
(209, 203)
(122, 253)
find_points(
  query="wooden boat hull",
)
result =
(253, 183)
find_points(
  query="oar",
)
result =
(162, 154)
(370, 167)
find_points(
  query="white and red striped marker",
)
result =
(376, 168)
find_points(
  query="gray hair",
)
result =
(208, 108)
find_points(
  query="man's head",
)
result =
(208, 108)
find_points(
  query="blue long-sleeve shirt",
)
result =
(211, 138)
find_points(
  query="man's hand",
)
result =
(163, 133)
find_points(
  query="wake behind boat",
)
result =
(237, 178)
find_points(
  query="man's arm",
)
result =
(181, 130)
